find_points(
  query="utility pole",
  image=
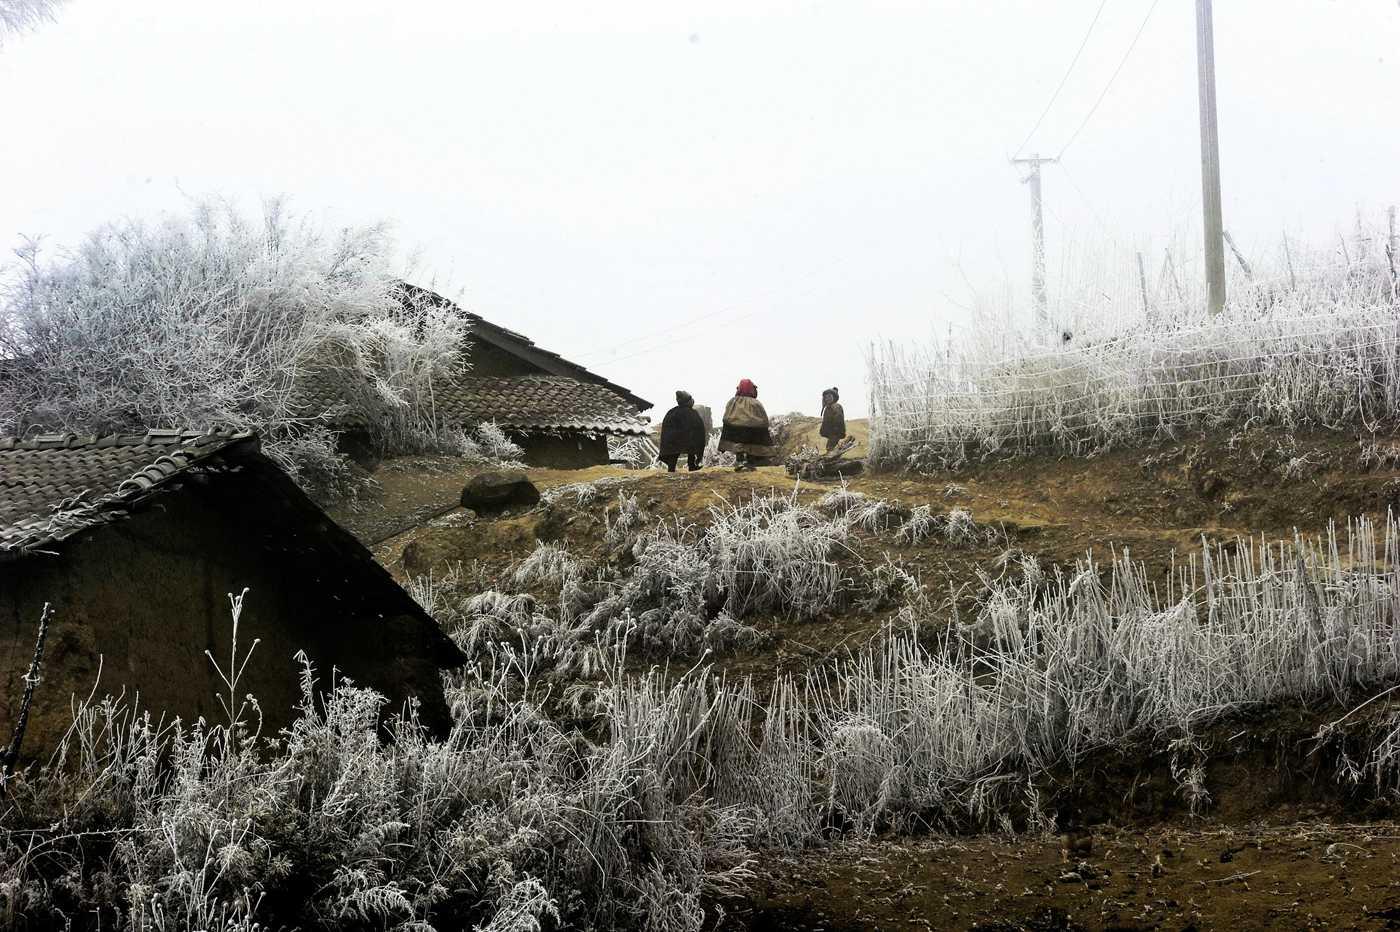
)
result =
(1210, 157)
(1042, 316)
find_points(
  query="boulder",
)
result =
(492, 493)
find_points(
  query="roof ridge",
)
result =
(154, 459)
(154, 436)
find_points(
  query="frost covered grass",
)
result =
(625, 522)
(773, 555)
(648, 811)
(510, 823)
(1314, 341)
(913, 526)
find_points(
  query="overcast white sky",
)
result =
(684, 194)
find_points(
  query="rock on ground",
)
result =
(492, 493)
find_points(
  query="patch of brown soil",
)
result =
(1155, 504)
(1305, 875)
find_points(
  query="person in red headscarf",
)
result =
(745, 429)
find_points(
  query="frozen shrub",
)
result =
(494, 446)
(212, 320)
(956, 527)
(714, 456)
(583, 493)
(919, 527)
(783, 430)
(438, 596)
(660, 605)
(624, 524)
(860, 510)
(889, 585)
(634, 452)
(491, 616)
(840, 500)
(510, 823)
(959, 528)
(550, 563)
(771, 555)
(861, 765)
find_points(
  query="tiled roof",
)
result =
(524, 402)
(539, 402)
(519, 344)
(55, 485)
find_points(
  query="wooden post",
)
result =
(1176, 282)
(1239, 256)
(1392, 250)
(1142, 285)
(1288, 261)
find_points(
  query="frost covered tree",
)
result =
(17, 16)
(210, 320)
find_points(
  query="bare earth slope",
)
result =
(1281, 845)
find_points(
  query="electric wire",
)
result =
(603, 347)
(1117, 71)
(669, 343)
(1063, 80)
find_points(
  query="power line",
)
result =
(1068, 71)
(661, 346)
(1119, 70)
(655, 333)
(1085, 198)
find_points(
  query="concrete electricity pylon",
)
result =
(1042, 314)
(1210, 157)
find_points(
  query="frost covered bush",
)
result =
(19, 16)
(714, 456)
(624, 523)
(661, 605)
(862, 511)
(510, 822)
(212, 320)
(634, 452)
(489, 444)
(550, 563)
(773, 555)
(955, 526)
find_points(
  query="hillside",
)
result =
(1224, 830)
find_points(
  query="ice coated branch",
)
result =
(20, 16)
(31, 679)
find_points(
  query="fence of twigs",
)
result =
(1317, 345)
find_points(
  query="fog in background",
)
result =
(681, 195)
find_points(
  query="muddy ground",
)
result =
(1282, 845)
(1301, 875)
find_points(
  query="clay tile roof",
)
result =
(519, 344)
(538, 402)
(523, 402)
(54, 485)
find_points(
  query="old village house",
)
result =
(559, 412)
(137, 541)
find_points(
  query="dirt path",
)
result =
(1298, 876)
